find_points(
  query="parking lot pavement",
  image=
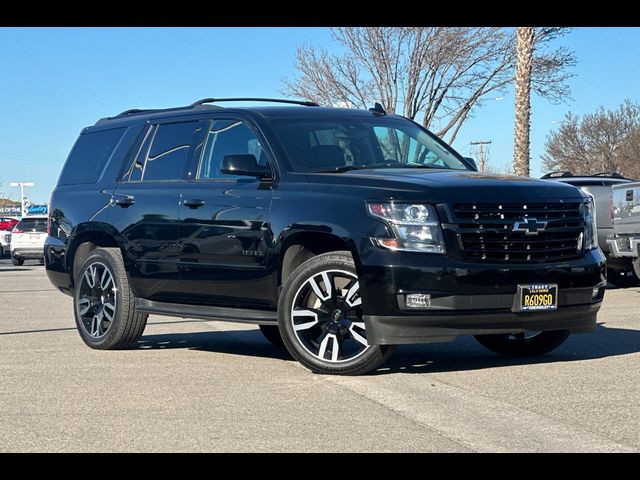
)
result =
(212, 386)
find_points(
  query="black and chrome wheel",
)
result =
(103, 302)
(320, 317)
(523, 344)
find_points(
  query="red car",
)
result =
(7, 223)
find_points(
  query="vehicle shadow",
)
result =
(460, 355)
(466, 354)
(236, 342)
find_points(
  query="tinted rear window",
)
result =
(89, 156)
(33, 224)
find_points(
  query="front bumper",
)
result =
(472, 298)
(623, 246)
(396, 330)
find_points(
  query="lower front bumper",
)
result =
(395, 330)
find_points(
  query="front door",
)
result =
(224, 229)
(145, 207)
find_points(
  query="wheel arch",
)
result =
(86, 238)
(302, 245)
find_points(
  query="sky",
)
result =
(56, 81)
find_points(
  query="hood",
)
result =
(441, 186)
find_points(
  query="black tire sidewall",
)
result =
(119, 318)
(372, 358)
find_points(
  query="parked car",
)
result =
(600, 186)
(624, 241)
(5, 243)
(340, 232)
(7, 223)
(27, 239)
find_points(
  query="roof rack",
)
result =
(306, 103)
(608, 174)
(558, 174)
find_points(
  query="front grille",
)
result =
(518, 232)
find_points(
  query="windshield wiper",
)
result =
(347, 168)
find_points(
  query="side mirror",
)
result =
(472, 163)
(245, 164)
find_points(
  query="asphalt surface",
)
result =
(215, 386)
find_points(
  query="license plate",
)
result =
(538, 297)
(34, 236)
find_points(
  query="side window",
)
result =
(163, 153)
(89, 156)
(227, 137)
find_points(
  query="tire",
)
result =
(17, 261)
(93, 305)
(335, 328)
(616, 278)
(272, 333)
(518, 345)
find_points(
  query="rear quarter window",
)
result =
(89, 156)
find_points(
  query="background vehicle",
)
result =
(7, 223)
(5, 242)
(340, 232)
(619, 269)
(624, 241)
(27, 239)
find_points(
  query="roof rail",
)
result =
(306, 103)
(608, 174)
(557, 174)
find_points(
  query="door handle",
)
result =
(125, 202)
(194, 203)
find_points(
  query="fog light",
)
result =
(595, 292)
(417, 300)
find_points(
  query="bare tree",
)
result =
(604, 141)
(436, 75)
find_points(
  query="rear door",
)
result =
(145, 206)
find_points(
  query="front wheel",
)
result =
(17, 261)
(523, 344)
(320, 318)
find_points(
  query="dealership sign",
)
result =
(37, 210)
(13, 211)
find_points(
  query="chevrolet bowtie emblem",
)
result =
(529, 225)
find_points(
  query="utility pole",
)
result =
(481, 153)
(22, 185)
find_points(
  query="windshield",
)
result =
(345, 143)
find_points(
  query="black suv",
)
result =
(340, 232)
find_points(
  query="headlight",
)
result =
(590, 230)
(415, 226)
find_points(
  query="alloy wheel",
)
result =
(327, 316)
(97, 299)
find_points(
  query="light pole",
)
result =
(22, 185)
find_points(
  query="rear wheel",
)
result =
(320, 318)
(272, 333)
(17, 261)
(622, 278)
(523, 344)
(104, 304)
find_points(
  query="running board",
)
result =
(241, 315)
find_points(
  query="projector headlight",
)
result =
(416, 227)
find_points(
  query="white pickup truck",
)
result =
(625, 210)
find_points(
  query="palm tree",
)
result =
(524, 63)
